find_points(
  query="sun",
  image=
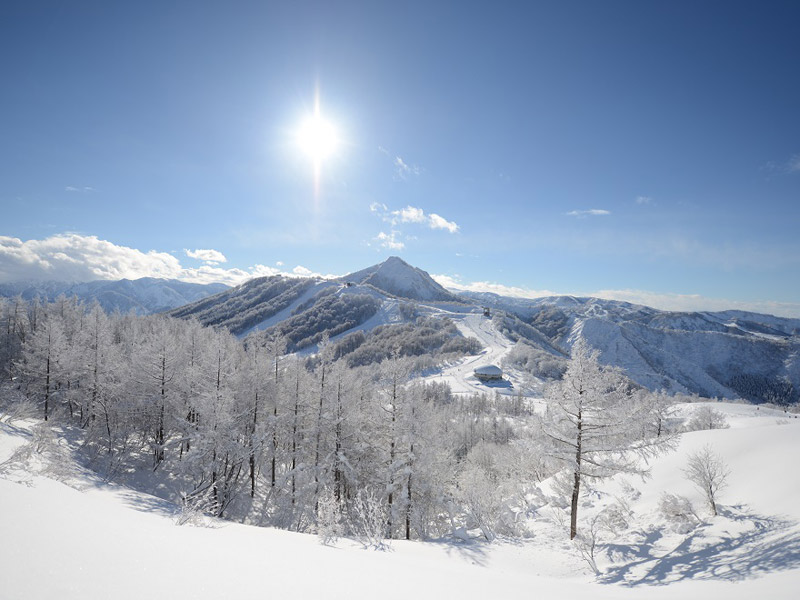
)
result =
(317, 137)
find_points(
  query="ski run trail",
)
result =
(460, 375)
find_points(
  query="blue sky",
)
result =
(636, 150)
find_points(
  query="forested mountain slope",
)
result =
(730, 354)
(249, 304)
(302, 311)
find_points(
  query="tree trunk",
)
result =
(338, 475)
(576, 486)
(408, 494)
(274, 423)
(294, 432)
(252, 448)
(47, 386)
(390, 520)
(318, 442)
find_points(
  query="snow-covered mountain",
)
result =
(727, 354)
(144, 296)
(315, 305)
(730, 354)
(397, 277)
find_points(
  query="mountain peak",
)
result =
(397, 277)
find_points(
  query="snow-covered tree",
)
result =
(42, 356)
(708, 472)
(595, 426)
(706, 417)
(13, 326)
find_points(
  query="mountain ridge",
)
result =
(145, 295)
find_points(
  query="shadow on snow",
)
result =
(765, 545)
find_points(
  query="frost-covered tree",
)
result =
(42, 357)
(706, 417)
(708, 472)
(13, 327)
(158, 355)
(245, 433)
(595, 426)
(101, 378)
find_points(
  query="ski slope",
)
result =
(460, 375)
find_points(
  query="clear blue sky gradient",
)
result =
(180, 118)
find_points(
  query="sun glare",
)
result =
(317, 137)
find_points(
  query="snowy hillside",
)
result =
(69, 534)
(143, 296)
(248, 305)
(730, 354)
(301, 311)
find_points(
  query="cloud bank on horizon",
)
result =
(75, 257)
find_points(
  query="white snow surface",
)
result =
(77, 536)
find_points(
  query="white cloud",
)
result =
(455, 283)
(302, 271)
(390, 241)
(410, 214)
(72, 188)
(644, 200)
(696, 302)
(209, 256)
(279, 263)
(790, 166)
(437, 222)
(413, 214)
(75, 257)
(594, 212)
(404, 170)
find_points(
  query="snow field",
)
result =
(108, 541)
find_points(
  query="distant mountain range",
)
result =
(726, 354)
(731, 354)
(143, 296)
